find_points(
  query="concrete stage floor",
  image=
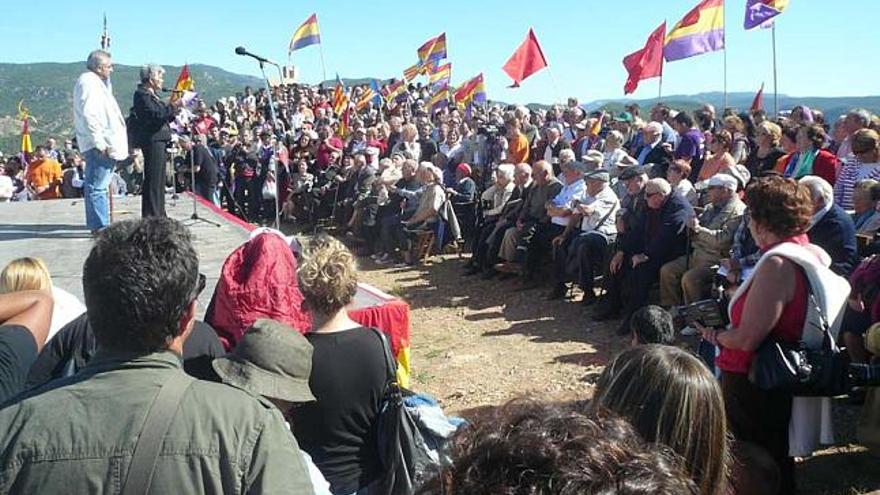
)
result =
(55, 231)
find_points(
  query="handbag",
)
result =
(269, 187)
(403, 451)
(794, 368)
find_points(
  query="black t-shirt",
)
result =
(206, 177)
(339, 430)
(18, 351)
(74, 345)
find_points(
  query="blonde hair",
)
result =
(671, 398)
(25, 274)
(327, 276)
(772, 130)
(615, 137)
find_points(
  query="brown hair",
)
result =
(735, 122)
(723, 137)
(780, 205)
(865, 141)
(671, 398)
(816, 134)
(328, 276)
(683, 166)
(527, 447)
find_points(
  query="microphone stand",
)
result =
(276, 131)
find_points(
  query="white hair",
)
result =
(659, 185)
(566, 155)
(429, 167)
(524, 167)
(148, 71)
(862, 116)
(819, 189)
(95, 59)
(656, 127)
(506, 170)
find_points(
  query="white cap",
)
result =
(723, 180)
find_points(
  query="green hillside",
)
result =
(47, 90)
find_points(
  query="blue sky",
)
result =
(824, 48)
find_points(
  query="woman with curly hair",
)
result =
(348, 374)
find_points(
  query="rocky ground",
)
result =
(479, 343)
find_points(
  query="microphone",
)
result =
(243, 51)
(169, 90)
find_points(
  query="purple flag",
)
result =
(758, 13)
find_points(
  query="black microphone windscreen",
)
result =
(240, 50)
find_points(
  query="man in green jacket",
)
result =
(79, 434)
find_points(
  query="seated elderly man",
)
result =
(560, 209)
(532, 217)
(831, 229)
(493, 200)
(653, 152)
(629, 225)
(581, 248)
(661, 239)
(688, 278)
(489, 241)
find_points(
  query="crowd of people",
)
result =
(771, 218)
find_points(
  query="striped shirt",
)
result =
(851, 173)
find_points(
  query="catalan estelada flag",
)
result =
(340, 99)
(473, 91)
(185, 82)
(342, 130)
(366, 97)
(305, 35)
(700, 31)
(441, 75)
(412, 72)
(433, 49)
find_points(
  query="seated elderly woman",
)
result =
(677, 174)
(432, 198)
(866, 150)
(613, 155)
(768, 136)
(866, 206)
(347, 378)
(810, 158)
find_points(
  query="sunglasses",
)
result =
(200, 285)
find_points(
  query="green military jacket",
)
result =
(78, 435)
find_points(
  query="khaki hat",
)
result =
(272, 360)
(593, 159)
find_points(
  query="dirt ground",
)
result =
(479, 343)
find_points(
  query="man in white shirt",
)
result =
(581, 248)
(100, 133)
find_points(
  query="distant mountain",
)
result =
(47, 91)
(832, 107)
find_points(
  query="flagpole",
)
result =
(323, 65)
(660, 89)
(775, 87)
(725, 53)
(555, 86)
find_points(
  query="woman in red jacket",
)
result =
(810, 157)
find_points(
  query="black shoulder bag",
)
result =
(792, 367)
(402, 449)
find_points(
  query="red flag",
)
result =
(526, 60)
(758, 102)
(647, 62)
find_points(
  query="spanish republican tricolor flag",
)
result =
(700, 31)
(473, 91)
(305, 35)
(433, 49)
